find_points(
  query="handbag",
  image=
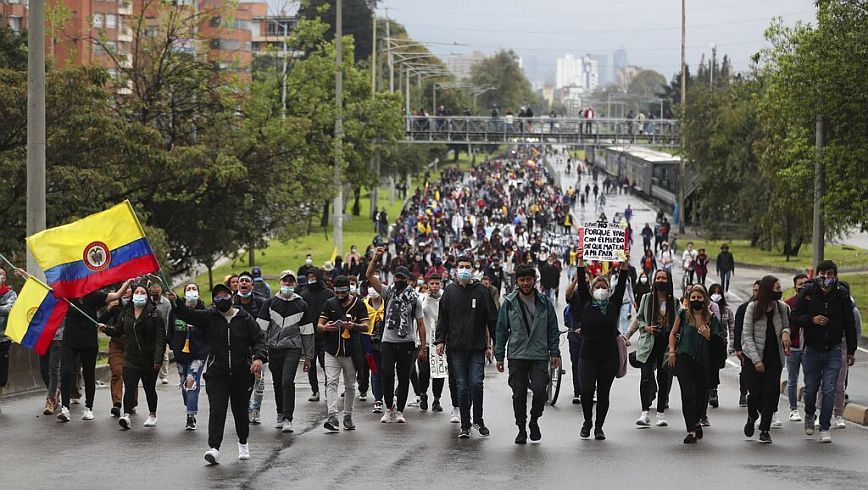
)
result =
(622, 356)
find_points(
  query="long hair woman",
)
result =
(765, 340)
(727, 320)
(689, 354)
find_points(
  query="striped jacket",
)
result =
(287, 324)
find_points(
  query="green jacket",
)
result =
(643, 318)
(538, 345)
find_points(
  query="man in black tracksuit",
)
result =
(315, 296)
(465, 326)
(237, 351)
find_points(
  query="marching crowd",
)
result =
(464, 276)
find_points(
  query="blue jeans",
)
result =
(190, 374)
(820, 367)
(258, 392)
(552, 295)
(623, 318)
(794, 364)
(376, 381)
(575, 346)
(469, 369)
(725, 276)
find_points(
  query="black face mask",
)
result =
(777, 295)
(223, 305)
(664, 287)
(400, 285)
(697, 305)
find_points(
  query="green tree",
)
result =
(13, 49)
(512, 89)
(357, 19)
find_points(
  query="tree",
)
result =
(13, 49)
(357, 19)
(647, 84)
(512, 89)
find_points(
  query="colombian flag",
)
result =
(35, 316)
(101, 249)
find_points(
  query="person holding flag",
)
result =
(7, 300)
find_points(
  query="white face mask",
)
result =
(601, 294)
(191, 296)
(716, 297)
(373, 293)
(308, 261)
(643, 280)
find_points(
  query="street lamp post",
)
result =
(339, 127)
(35, 125)
(682, 165)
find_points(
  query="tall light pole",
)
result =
(35, 125)
(682, 177)
(339, 126)
(375, 191)
(713, 62)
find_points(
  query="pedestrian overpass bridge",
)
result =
(571, 131)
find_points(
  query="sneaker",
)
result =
(825, 436)
(314, 397)
(661, 420)
(742, 401)
(599, 434)
(749, 427)
(243, 452)
(704, 422)
(586, 430)
(116, 411)
(49, 407)
(765, 438)
(212, 456)
(63, 416)
(464, 434)
(423, 402)
(124, 422)
(286, 426)
(455, 418)
(388, 417)
(191, 423)
(713, 400)
(690, 439)
(535, 433)
(643, 421)
(481, 429)
(363, 396)
(809, 425)
(332, 425)
(255, 418)
(348, 422)
(816, 422)
(87, 414)
(699, 432)
(164, 381)
(794, 416)
(151, 421)
(378, 407)
(521, 438)
(399, 418)
(278, 424)
(577, 400)
(839, 423)
(776, 423)
(436, 406)
(414, 403)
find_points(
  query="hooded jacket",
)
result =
(536, 341)
(288, 325)
(145, 336)
(465, 312)
(835, 305)
(232, 344)
(177, 337)
(316, 295)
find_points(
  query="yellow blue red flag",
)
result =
(35, 316)
(93, 252)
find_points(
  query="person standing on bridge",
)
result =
(528, 323)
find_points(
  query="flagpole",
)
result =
(30, 276)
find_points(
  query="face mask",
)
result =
(311, 281)
(286, 290)
(829, 282)
(697, 305)
(716, 297)
(245, 295)
(601, 294)
(140, 299)
(191, 296)
(308, 261)
(400, 285)
(125, 301)
(223, 305)
(420, 282)
(643, 280)
(663, 286)
(373, 293)
(464, 275)
(354, 289)
(777, 295)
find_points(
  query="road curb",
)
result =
(853, 412)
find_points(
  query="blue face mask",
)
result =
(245, 295)
(140, 299)
(829, 282)
(286, 290)
(464, 275)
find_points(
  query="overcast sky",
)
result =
(542, 30)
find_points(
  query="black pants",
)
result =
(283, 365)
(765, 392)
(224, 391)
(148, 377)
(397, 358)
(522, 372)
(311, 374)
(363, 377)
(597, 376)
(4, 363)
(743, 381)
(453, 388)
(67, 372)
(694, 391)
(648, 388)
(575, 347)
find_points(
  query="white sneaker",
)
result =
(643, 421)
(279, 423)
(363, 397)
(164, 381)
(243, 452)
(124, 422)
(825, 437)
(794, 416)
(414, 403)
(151, 421)
(776, 423)
(63, 416)
(455, 418)
(399, 418)
(87, 414)
(661, 420)
(388, 416)
(212, 456)
(839, 423)
(816, 421)
(287, 426)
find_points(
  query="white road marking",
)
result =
(863, 350)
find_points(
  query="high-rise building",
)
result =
(568, 71)
(619, 62)
(590, 73)
(461, 65)
(605, 74)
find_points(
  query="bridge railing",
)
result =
(471, 129)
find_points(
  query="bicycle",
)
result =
(556, 374)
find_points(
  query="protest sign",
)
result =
(439, 369)
(603, 241)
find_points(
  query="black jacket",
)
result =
(725, 262)
(232, 345)
(549, 276)
(177, 335)
(257, 301)
(315, 296)
(145, 341)
(464, 314)
(739, 326)
(835, 305)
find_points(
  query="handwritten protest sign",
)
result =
(603, 241)
(439, 369)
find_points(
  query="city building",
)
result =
(13, 14)
(461, 65)
(577, 72)
(619, 62)
(605, 73)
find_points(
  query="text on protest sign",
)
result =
(603, 242)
